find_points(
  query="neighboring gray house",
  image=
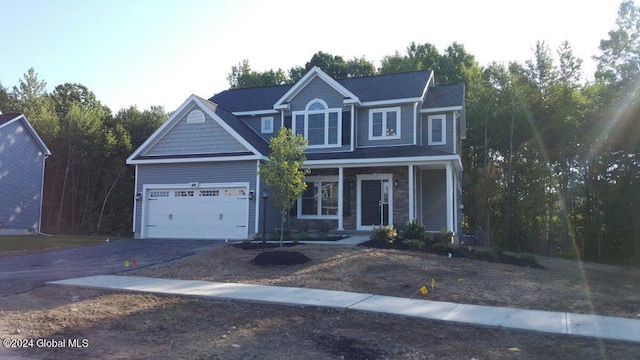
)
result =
(22, 158)
(382, 150)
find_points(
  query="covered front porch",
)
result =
(356, 197)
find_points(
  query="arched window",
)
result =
(319, 124)
(196, 116)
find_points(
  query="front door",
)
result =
(374, 202)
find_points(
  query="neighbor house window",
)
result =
(320, 199)
(384, 123)
(195, 117)
(267, 125)
(319, 124)
(437, 130)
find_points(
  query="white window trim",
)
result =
(317, 179)
(326, 112)
(444, 129)
(384, 111)
(267, 129)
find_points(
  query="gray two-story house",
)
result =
(22, 163)
(382, 150)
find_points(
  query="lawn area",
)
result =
(11, 244)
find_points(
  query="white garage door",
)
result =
(202, 213)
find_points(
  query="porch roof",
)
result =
(370, 156)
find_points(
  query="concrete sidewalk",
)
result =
(534, 320)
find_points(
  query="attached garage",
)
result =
(195, 212)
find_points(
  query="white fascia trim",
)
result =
(415, 123)
(391, 102)
(45, 149)
(171, 121)
(440, 109)
(306, 79)
(440, 159)
(258, 198)
(255, 112)
(200, 186)
(135, 202)
(197, 159)
(151, 139)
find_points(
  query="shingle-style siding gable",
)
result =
(21, 166)
(195, 138)
(319, 89)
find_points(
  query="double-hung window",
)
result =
(319, 124)
(266, 126)
(437, 130)
(320, 199)
(384, 123)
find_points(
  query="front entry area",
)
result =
(375, 200)
(196, 213)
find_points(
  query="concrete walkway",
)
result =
(534, 320)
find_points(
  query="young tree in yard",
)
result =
(284, 174)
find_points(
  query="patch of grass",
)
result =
(528, 258)
(41, 242)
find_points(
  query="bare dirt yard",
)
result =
(130, 326)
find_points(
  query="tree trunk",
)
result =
(64, 187)
(104, 202)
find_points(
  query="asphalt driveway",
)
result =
(20, 273)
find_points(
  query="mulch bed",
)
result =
(459, 251)
(268, 258)
(261, 245)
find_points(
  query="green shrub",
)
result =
(322, 235)
(384, 233)
(528, 258)
(442, 249)
(303, 235)
(445, 236)
(487, 255)
(413, 243)
(323, 227)
(415, 230)
(498, 250)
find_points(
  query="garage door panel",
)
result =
(197, 213)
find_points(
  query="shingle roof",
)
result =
(240, 127)
(250, 99)
(388, 87)
(378, 152)
(444, 96)
(368, 88)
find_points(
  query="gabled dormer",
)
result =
(443, 121)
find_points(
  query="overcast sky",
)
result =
(159, 52)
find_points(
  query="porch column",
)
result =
(449, 181)
(340, 197)
(411, 194)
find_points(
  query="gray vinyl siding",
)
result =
(273, 215)
(434, 199)
(195, 138)
(406, 127)
(319, 89)
(255, 122)
(21, 163)
(182, 174)
(424, 133)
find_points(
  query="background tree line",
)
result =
(551, 161)
(88, 187)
